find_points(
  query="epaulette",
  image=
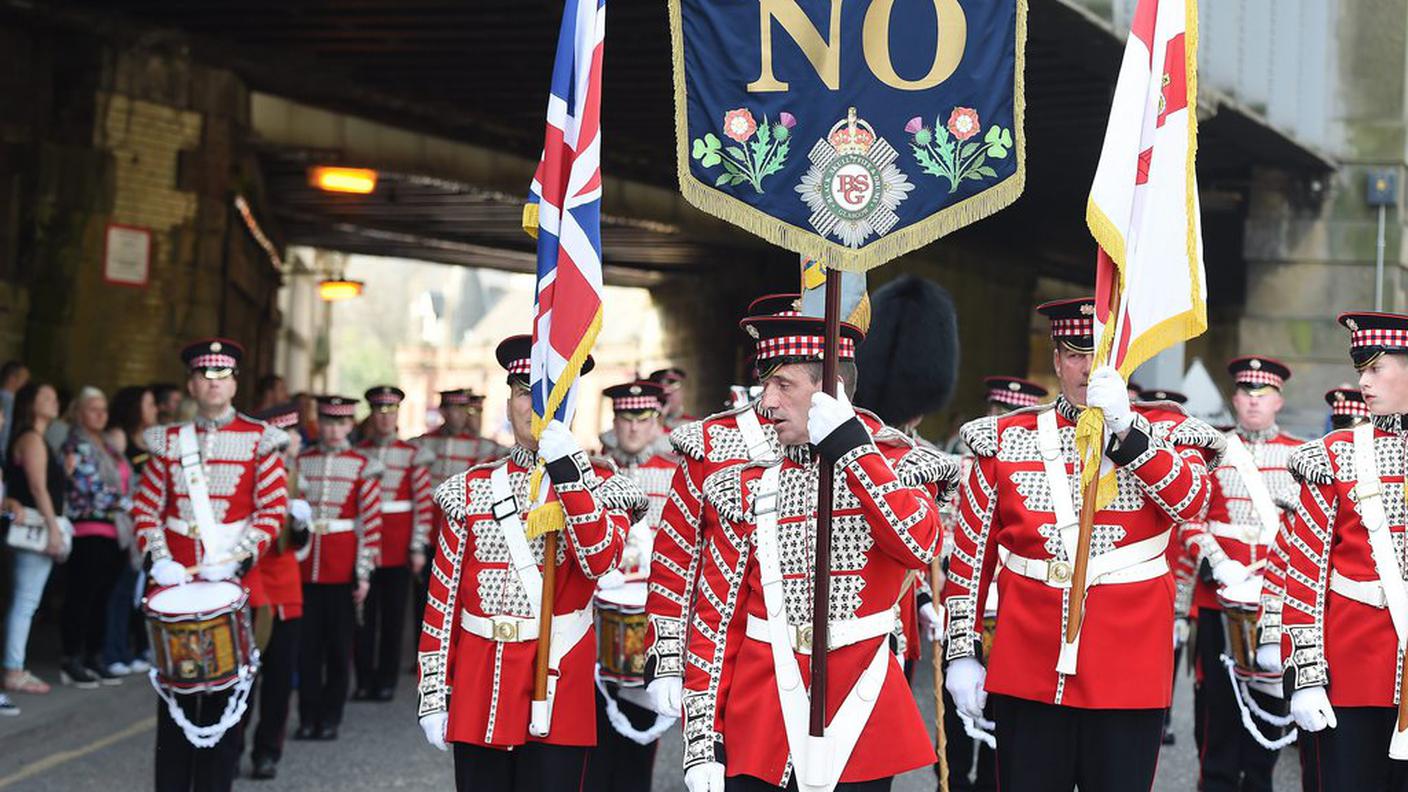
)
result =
(688, 439)
(723, 489)
(449, 496)
(921, 466)
(1199, 434)
(490, 465)
(624, 494)
(1310, 463)
(155, 438)
(271, 438)
(423, 455)
(980, 435)
(373, 468)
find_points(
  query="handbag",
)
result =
(29, 532)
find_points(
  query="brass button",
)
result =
(1059, 572)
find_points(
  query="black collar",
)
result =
(1390, 423)
(1067, 410)
(523, 457)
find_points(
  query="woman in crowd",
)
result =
(98, 478)
(133, 410)
(36, 480)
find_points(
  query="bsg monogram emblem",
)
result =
(853, 186)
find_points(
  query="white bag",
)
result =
(28, 531)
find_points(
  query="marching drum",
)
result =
(202, 635)
(1241, 604)
(620, 634)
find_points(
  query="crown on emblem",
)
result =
(851, 135)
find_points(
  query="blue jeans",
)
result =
(117, 640)
(31, 572)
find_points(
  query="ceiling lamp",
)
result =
(359, 181)
(334, 289)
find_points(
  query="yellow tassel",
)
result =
(547, 517)
(530, 219)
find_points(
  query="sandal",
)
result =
(24, 682)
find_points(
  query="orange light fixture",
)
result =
(335, 289)
(359, 181)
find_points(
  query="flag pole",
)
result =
(936, 576)
(540, 670)
(821, 579)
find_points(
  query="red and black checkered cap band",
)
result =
(1259, 379)
(520, 366)
(1014, 398)
(635, 403)
(213, 360)
(1392, 337)
(286, 420)
(1351, 407)
(802, 346)
(384, 397)
(456, 398)
(338, 409)
(1073, 328)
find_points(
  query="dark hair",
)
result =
(265, 385)
(160, 390)
(24, 411)
(845, 369)
(125, 410)
(11, 366)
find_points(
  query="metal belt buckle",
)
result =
(765, 503)
(802, 637)
(505, 631)
(509, 509)
(1058, 572)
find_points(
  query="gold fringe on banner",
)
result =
(549, 516)
(806, 242)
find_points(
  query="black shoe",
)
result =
(361, 694)
(327, 731)
(72, 672)
(1169, 737)
(384, 694)
(305, 732)
(103, 675)
(264, 768)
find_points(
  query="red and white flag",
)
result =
(1150, 292)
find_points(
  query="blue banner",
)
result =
(850, 132)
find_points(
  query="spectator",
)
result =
(269, 391)
(37, 481)
(98, 479)
(58, 431)
(125, 642)
(168, 401)
(13, 376)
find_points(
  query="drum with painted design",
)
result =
(620, 634)
(201, 635)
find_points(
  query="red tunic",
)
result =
(244, 473)
(406, 507)
(275, 582)
(486, 686)
(455, 453)
(1126, 644)
(1331, 639)
(885, 524)
(343, 487)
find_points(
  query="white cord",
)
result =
(623, 726)
(207, 736)
(978, 730)
(1237, 686)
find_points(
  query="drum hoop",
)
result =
(234, 607)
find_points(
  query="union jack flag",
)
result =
(564, 208)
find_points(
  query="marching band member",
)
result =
(1345, 608)
(405, 534)
(1347, 408)
(480, 633)
(1233, 543)
(343, 489)
(628, 727)
(672, 380)
(212, 498)
(276, 595)
(745, 725)
(456, 445)
(1099, 725)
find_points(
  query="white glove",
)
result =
(1268, 658)
(1311, 709)
(667, 695)
(931, 623)
(434, 727)
(964, 681)
(1180, 632)
(613, 579)
(1230, 572)
(826, 414)
(1106, 390)
(557, 442)
(300, 511)
(223, 571)
(168, 573)
(707, 777)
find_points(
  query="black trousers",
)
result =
(324, 653)
(618, 764)
(379, 636)
(93, 568)
(182, 767)
(532, 767)
(751, 784)
(972, 766)
(275, 681)
(1354, 755)
(1231, 759)
(1050, 748)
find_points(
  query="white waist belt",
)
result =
(1367, 592)
(396, 507)
(179, 526)
(839, 633)
(1132, 563)
(1246, 534)
(334, 526)
(512, 629)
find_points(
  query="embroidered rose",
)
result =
(739, 124)
(963, 122)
